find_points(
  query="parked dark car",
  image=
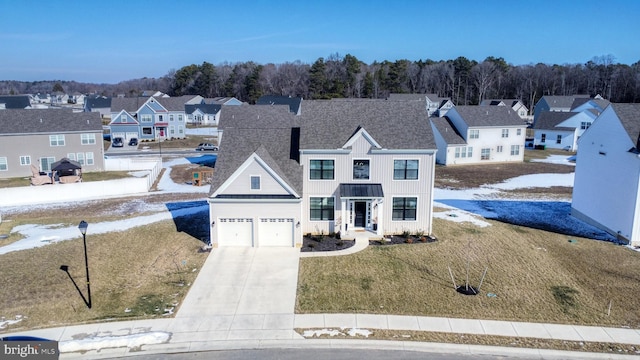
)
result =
(117, 142)
(206, 146)
(133, 142)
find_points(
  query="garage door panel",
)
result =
(275, 232)
(235, 232)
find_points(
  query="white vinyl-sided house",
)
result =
(479, 134)
(339, 166)
(606, 190)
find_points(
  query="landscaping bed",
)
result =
(332, 242)
(399, 239)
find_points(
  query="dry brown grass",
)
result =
(141, 269)
(537, 276)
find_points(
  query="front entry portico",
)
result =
(361, 207)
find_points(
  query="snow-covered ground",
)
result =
(469, 205)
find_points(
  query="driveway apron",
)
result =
(244, 281)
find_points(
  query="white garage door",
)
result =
(275, 232)
(235, 232)
(131, 135)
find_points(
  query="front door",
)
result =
(360, 209)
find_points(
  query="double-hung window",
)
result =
(404, 208)
(474, 134)
(56, 140)
(4, 165)
(322, 208)
(361, 169)
(88, 139)
(485, 154)
(405, 169)
(321, 169)
(505, 133)
(515, 150)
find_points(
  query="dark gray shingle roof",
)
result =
(130, 105)
(100, 102)
(476, 115)
(548, 120)
(328, 124)
(447, 131)
(293, 102)
(38, 121)
(15, 101)
(273, 145)
(205, 108)
(252, 117)
(629, 115)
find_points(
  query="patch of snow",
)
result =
(359, 332)
(317, 333)
(132, 342)
(534, 180)
(558, 159)
(459, 216)
(4, 323)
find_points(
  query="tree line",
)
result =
(465, 81)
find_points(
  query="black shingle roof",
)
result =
(448, 131)
(36, 121)
(252, 117)
(293, 102)
(205, 108)
(100, 102)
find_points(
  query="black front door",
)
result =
(360, 209)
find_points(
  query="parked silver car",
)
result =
(206, 147)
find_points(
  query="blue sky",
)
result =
(114, 40)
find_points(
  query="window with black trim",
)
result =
(321, 169)
(404, 208)
(322, 208)
(405, 169)
(361, 169)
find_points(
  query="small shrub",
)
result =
(409, 240)
(419, 233)
(423, 238)
(405, 234)
(311, 245)
(339, 243)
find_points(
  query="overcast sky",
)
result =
(115, 40)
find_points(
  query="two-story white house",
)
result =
(479, 134)
(518, 106)
(606, 189)
(435, 105)
(340, 166)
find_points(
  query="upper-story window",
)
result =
(519, 132)
(179, 117)
(585, 125)
(56, 140)
(170, 117)
(255, 182)
(146, 118)
(405, 169)
(123, 118)
(160, 118)
(474, 134)
(361, 169)
(505, 133)
(321, 169)
(88, 139)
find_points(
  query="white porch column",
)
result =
(380, 218)
(343, 214)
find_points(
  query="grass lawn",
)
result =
(536, 276)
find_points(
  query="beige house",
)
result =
(43, 136)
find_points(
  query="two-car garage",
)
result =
(263, 232)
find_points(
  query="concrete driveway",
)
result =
(244, 281)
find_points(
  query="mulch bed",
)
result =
(395, 240)
(330, 243)
(325, 243)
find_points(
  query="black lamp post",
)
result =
(83, 229)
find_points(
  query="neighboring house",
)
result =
(556, 103)
(153, 93)
(582, 104)
(294, 103)
(42, 98)
(15, 102)
(99, 104)
(561, 130)
(77, 98)
(157, 118)
(435, 105)
(479, 134)
(59, 98)
(203, 114)
(223, 101)
(44, 136)
(606, 190)
(515, 104)
(337, 167)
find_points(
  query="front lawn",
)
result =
(532, 275)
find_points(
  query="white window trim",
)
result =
(251, 182)
(335, 203)
(27, 158)
(393, 169)
(352, 177)
(405, 196)
(309, 170)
